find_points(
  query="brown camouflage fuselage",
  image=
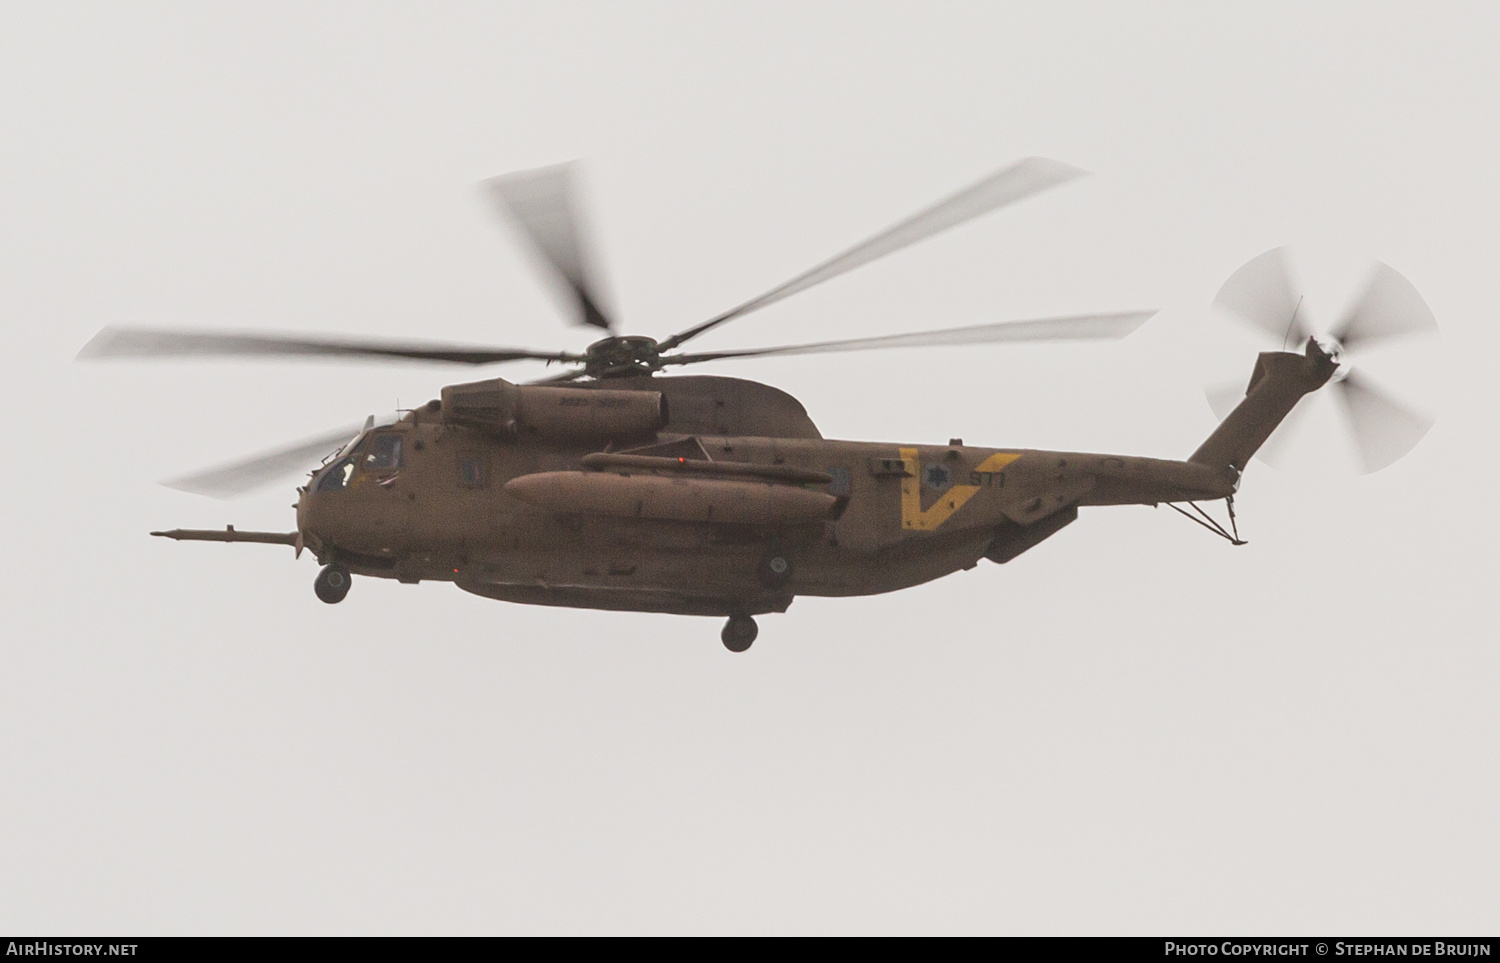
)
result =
(715, 496)
(904, 514)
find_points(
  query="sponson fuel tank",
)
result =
(714, 500)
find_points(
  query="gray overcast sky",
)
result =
(1133, 729)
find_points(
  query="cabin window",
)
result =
(383, 453)
(470, 471)
(336, 476)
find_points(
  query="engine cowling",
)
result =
(554, 413)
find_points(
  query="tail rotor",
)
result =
(1265, 296)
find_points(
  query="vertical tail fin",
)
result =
(1280, 380)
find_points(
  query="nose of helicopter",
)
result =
(304, 513)
(369, 520)
(318, 521)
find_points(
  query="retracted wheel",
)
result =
(739, 632)
(774, 571)
(333, 583)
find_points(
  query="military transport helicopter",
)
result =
(612, 486)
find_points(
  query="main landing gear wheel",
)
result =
(739, 632)
(774, 571)
(333, 583)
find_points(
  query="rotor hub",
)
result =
(1330, 347)
(624, 355)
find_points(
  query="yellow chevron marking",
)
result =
(997, 461)
(913, 516)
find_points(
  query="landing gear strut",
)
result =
(332, 584)
(739, 632)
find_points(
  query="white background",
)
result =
(1133, 729)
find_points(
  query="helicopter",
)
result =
(614, 486)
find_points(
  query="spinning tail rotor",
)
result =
(1264, 296)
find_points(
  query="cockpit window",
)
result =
(383, 452)
(336, 476)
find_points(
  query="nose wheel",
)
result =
(332, 584)
(739, 632)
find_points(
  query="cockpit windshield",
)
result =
(370, 452)
(337, 476)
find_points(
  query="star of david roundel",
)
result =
(937, 477)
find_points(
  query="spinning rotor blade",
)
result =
(1275, 451)
(1222, 398)
(1383, 429)
(1389, 308)
(1078, 328)
(1262, 294)
(237, 478)
(1021, 180)
(558, 379)
(541, 203)
(113, 342)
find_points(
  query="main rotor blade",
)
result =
(541, 203)
(1262, 294)
(1021, 180)
(113, 342)
(563, 378)
(1383, 429)
(240, 477)
(1077, 328)
(1389, 307)
(1275, 449)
